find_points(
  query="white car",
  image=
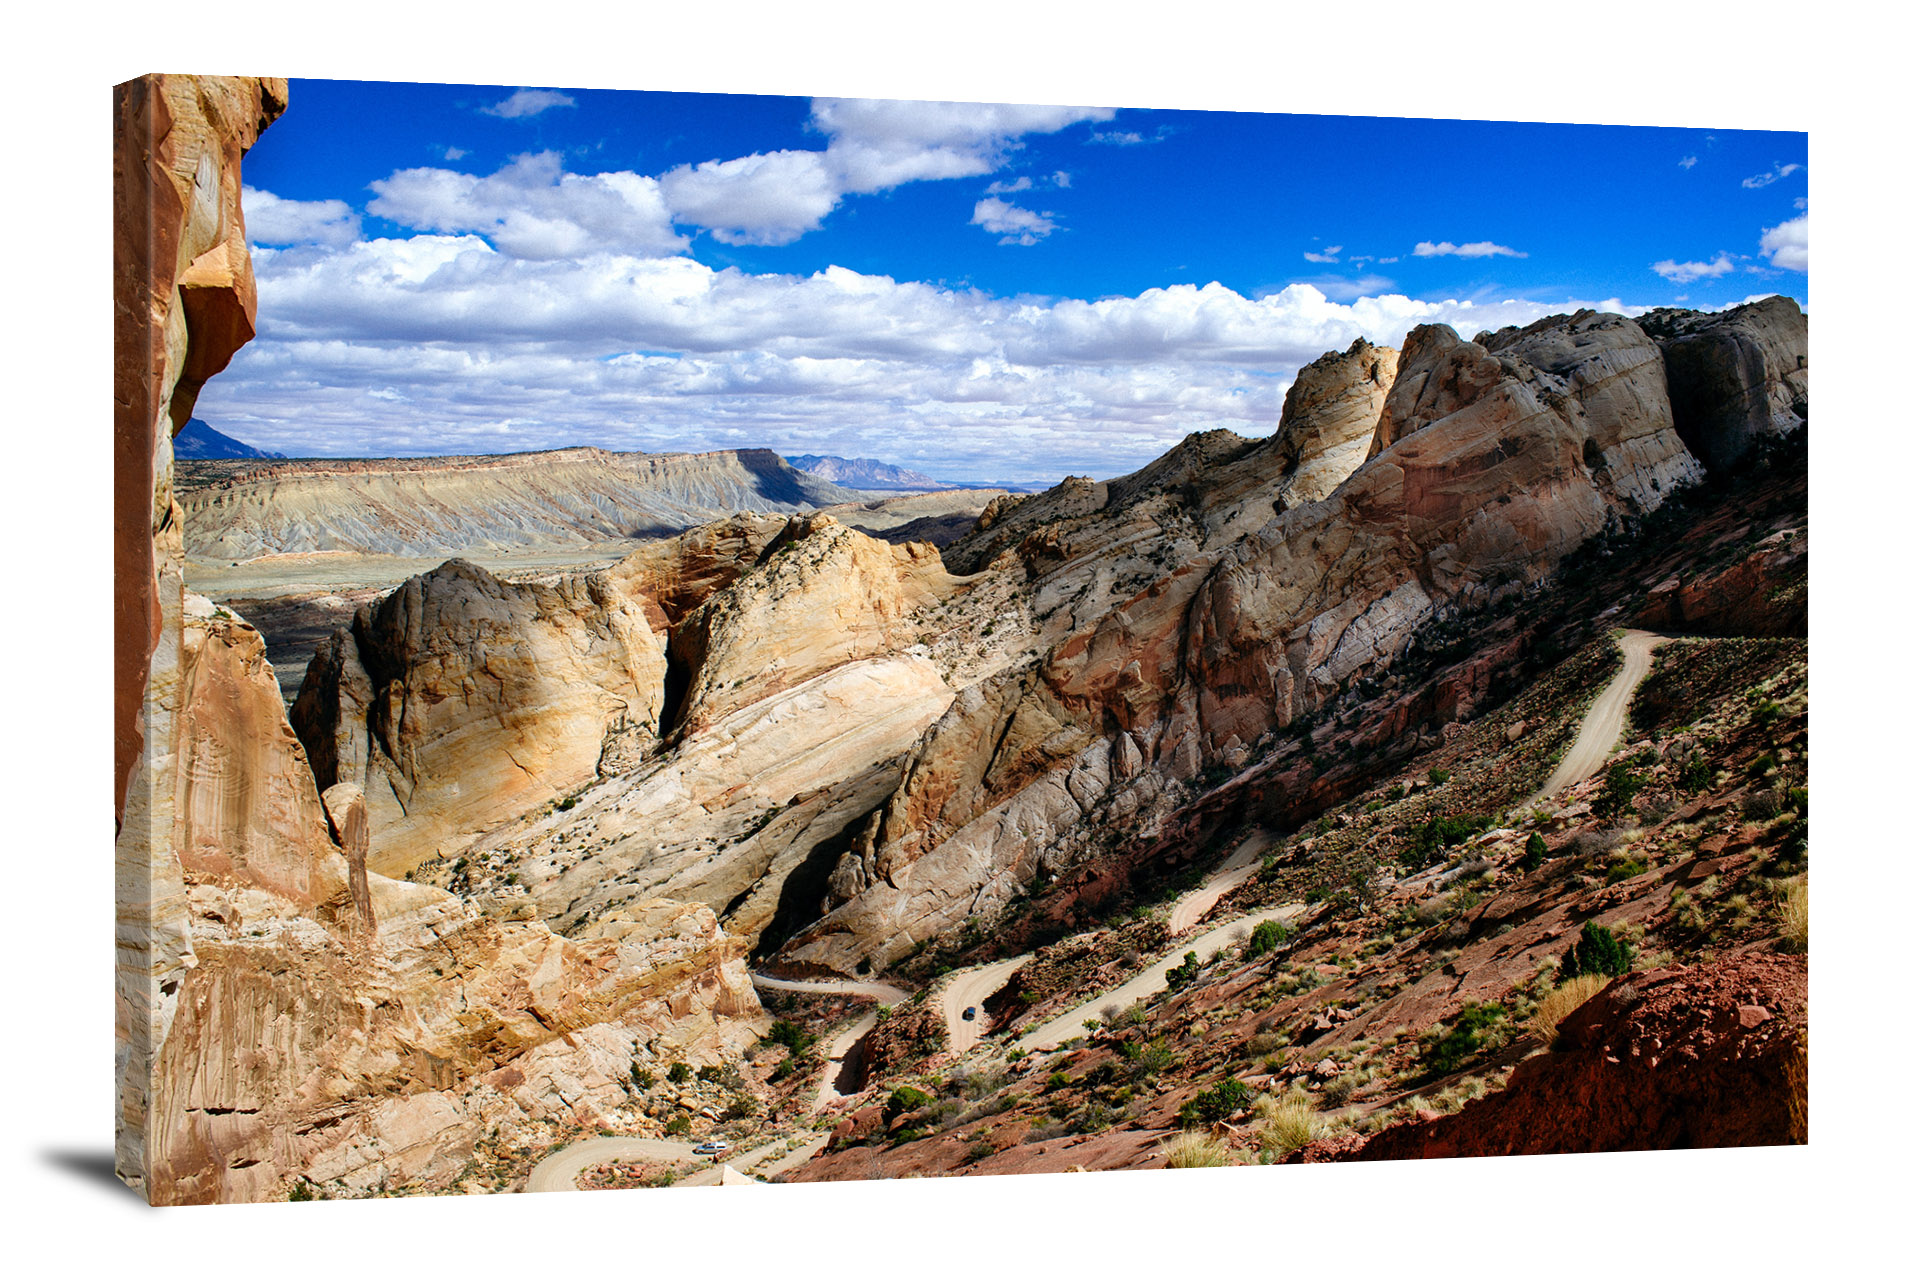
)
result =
(713, 1147)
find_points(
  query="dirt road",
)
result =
(1152, 980)
(970, 990)
(1605, 718)
(842, 1044)
(1234, 872)
(559, 1170)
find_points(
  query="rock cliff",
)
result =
(283, 1011)
(1738, 377)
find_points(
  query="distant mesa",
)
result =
(198, 440)
(862, 473)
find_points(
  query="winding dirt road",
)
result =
(1231, 874)
(559, 1171)
(970, 989)
(1153, 979)
(841, 1045)
(1605, 718)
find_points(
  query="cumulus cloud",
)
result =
(1688, 272)
(1332, 254)
(531, 209)
(770, 198)
(524, 103)
(274, 221)
(1687, 162)
(1478, 249)
(1011, 223)
(1786, 244)
(446, 343)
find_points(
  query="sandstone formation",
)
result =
(461, 700)
(1190, 613)
(823, 595)
(1327, 424)
(1738, 377)
(282, 1010)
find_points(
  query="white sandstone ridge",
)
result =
(463, 505)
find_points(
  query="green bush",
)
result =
(567, 803)
(1597, 951)
(679, 1072)
(680, 1126)
(641, 1079)
(1536, 852)
(1623, 784)
(1797, 800)
(795, 1037)
(1438, 776)
(904, 1099)
(1185, 972)
(1224, 1100)
(1469, 1034)
(1696, 774)
(1266, 935)
(1439, 833)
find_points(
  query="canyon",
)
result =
(579, 737)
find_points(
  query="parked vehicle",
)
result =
(713, 1147)
(966, 1014)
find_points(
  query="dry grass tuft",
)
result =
(1285, 1124)
(1193, 1151)
(1797, 1087)
(1561, 1001)
(1793, 914)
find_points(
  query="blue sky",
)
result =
(978, 291)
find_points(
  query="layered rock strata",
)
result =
(282, 1010)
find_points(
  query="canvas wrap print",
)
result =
(673, 639)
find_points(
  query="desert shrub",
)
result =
(1228, 1098)
(1471, 1032)
(1058, 1080)
(796, 1038)
(680, 1126)
(1265, 1042)
(710, 1073)
(1561, 1001)
(1193, 1151)
(567, 803)
(904, 1099)
(1696, 774)
(1626, 869)
(679, 1072)
(1342, 1087)
(1760, 806)
(1438, 776)
(641, 1079)
(1598, 952)
(1624, 782)
(1592, 844)
(300, 1191)
(1439, 833)
(1266, 935)
(1767, 711)
(1797, 800)
(1185, 972)
(1148, 1060)
(1285, 1125)
(1536, 852)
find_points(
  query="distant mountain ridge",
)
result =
(198, 440)
(862, 473)
(238, 509)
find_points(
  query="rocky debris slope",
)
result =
(458, 505)
(460, 701)
(1690, 1057)
(282, 1011)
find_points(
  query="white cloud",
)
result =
(1009, 188)
(274, 221)
(1062, 179)
(527, 102)
(455, 153)
(1800, 202)
(1688, 272)
(765, 198)
(1117, 137)
(1011, 223)
(439, 343)
(1687, 162)
(1786, 244)
(1778, 172)
(1478, 249)
(874, 144)
(531, 209)
(1332, 254)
